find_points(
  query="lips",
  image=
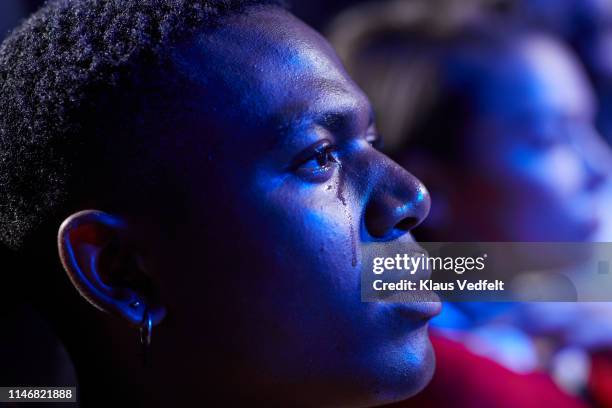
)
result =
(414, 306)
(420, 311)
(418, 306)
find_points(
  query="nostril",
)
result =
(389, 215)
(384, 221)
(407, 224)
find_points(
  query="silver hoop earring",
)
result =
(146, 330)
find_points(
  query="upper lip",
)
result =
(421, 310)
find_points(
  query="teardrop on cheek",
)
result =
(340, 187)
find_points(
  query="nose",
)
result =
(398, 203)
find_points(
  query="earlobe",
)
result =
(93, 254)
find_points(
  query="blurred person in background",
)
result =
(586, 26)
(499, 121)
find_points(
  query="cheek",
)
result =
(559, 171)
(309, 299)
(310, 223)
(540, 177)
(534, 193)
(553, 198)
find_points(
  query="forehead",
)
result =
(266, 65)
(536, 76)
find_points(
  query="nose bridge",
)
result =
(373, 168)
(397, 201)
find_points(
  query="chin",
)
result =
(406, 370)
(419, 366)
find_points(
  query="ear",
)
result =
(105, 269)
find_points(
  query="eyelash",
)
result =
(375, 140)
(325, 156)
(318, 160)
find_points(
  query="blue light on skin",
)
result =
(260, 275)
(304, 302)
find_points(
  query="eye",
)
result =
(317, 160)
(374, 139)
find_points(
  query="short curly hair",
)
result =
(76, 72)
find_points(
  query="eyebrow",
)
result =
(337, 120)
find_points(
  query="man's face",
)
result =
(262, 278)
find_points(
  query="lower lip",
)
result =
(420, 310)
